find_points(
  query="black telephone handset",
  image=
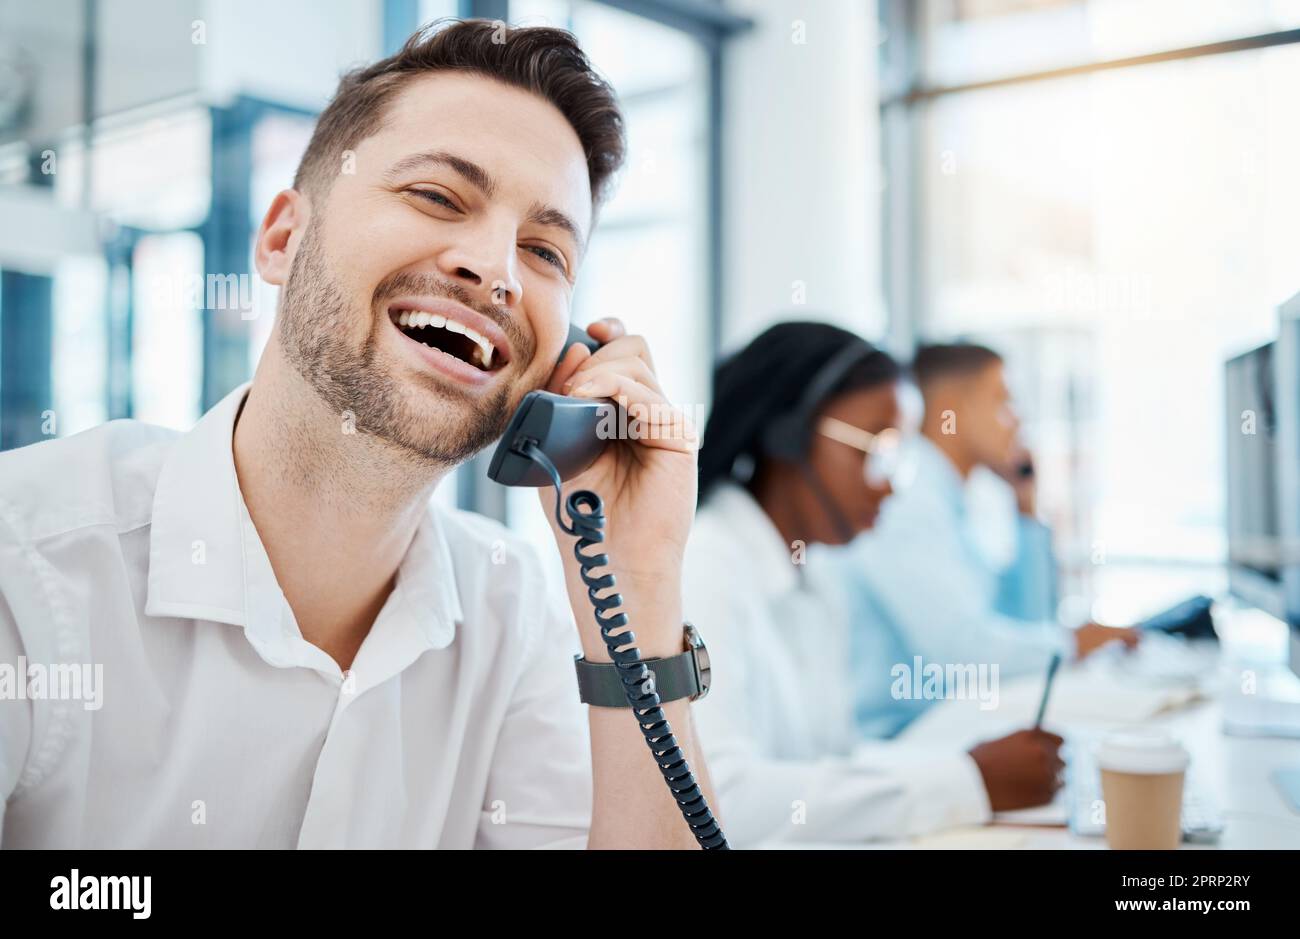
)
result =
(552, 438)
(563, 428)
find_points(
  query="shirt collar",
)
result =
(196, 560)
(742, 519)
(207, 562)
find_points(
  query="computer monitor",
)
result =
(1287, 383)
(1255, 564)
(1263, 462)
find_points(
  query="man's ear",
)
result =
(277, 239)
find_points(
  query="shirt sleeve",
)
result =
(15, 715)
(842, 799)
(824, 797)
(1027, 588)
(539, 787)
(923, 580)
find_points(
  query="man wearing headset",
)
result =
(796, 454)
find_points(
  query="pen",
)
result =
(1052, 666)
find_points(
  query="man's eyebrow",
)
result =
(482, 180)
(470, 171)
(546, 215)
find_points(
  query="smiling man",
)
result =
(297, 649)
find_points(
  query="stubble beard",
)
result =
(356, 384)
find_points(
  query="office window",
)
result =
(79, 365)
(167, 331)
(438, 9)
(978, 40)
(127, 340)
(150, 172)
(1137, 227)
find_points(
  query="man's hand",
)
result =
(1090, 637)
(648, 487)
(1021, 770)
(1024, 485)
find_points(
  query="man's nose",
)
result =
(487, 266)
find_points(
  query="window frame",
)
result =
(903, 99)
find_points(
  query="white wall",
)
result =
(801, 171)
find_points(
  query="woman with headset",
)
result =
(799, 450)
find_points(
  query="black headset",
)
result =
(788, 436)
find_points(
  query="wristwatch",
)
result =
(679, 676)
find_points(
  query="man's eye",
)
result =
(547, 255)
(437, 198)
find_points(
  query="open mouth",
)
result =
(449, 337)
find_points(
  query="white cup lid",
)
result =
(1142, 751)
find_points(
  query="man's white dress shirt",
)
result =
(778, 728)
(130, 547)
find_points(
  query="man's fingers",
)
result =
(652, 421)
(607, 329)
(635, 369)
(624, 346)
(569, 363)
(623, 370)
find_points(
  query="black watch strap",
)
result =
(688, 675)
(674, 677)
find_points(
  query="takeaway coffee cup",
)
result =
(1142, 784)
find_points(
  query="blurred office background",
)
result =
(1103, 189)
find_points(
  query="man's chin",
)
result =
(448, 429)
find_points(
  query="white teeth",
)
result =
(484, 347)
(419, 318)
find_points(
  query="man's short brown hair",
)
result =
(547, 62)
(938, 362)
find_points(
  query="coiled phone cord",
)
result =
(587, 511)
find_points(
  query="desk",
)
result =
(1234, 771)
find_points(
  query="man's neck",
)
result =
(335, 510)
(951, 447)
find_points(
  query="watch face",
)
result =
(703, 670)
